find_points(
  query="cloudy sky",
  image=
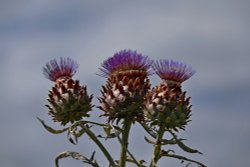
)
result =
(212, 36)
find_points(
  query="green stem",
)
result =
(130, 154)
(157, 147)
(124, 143)
(99, 144)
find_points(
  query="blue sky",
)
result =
(212, 36)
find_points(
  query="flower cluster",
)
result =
(126, 93)
(126, 96)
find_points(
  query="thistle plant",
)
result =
(68, 100)
(126, 99)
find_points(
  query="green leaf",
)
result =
(149, 141)
(107, 130)
(51, 130)
(72, 136)
(149, 130)
(183, 159)
(168, 151)
(92, 156)
(183, 146)
(74, 133)
(186, 148)
(168, 142)
(77, 156)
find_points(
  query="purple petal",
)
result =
(54, 69)
(173, 70)
(125, 60)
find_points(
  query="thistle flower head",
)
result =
(172, 70)
(54, 69)
(69, 101)
(125, 61)
(168, 106)
(127, 84)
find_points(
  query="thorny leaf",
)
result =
(72, 137)
(92, 156)
(168, 142)
(149, 130)
(110, 132)
(182, 158)
(183, 146)
(75, 130)
(168, 151)
(149, 141)
(74, 133)
(139, 164)
(51, 130)
(107, 130)
(112, 135)
(142, 162)
(76, 156)
(152, 133)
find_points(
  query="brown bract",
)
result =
(68, 101)
(167, 105)
(122, 95)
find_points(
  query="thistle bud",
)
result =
(167, 104)
(68, 100)
(127, 83)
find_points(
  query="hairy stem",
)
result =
(124, 143)
(130, 154)
(157, 147)
(99, 144)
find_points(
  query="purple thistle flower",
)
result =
(66, 67)
(125, 60)
(173, 70)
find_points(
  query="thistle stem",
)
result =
(157, 147)
(99, 144)
(130, 154)
(124, 143)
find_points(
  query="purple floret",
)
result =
(125, 60)
(173, 70)
(54, 69)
